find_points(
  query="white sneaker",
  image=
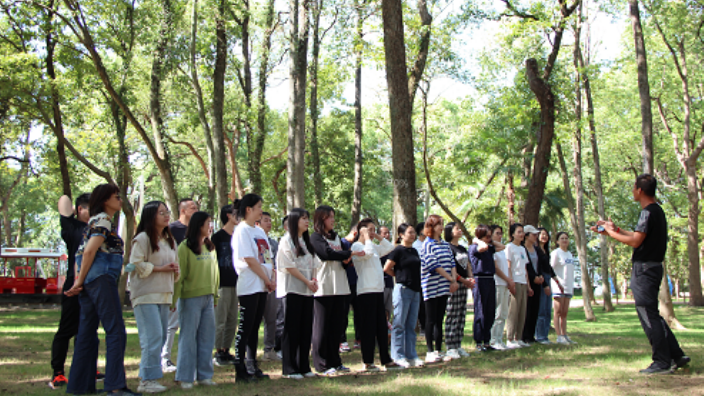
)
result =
(499, 346)
(514, 345)
(463, 353)
(293, 376)
(369, 368)
(151, 386)
(310, 374)
(186, 385)
(570, 340)
(523, 344)
(403, 363)
(432, 357)
(562, 340)
(417, 362)
(168, 366)
(544, 342)
(270, 356)
(207, 382)
(453, 354)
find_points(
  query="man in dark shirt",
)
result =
(186, 208)
(227, 311)
(649, 243)
(73, 222)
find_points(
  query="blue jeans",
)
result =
(152, 322)
(196, 339)
(403, 334)
(542, 327)
(100, 303)
(103, 264)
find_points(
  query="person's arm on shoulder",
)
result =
(498, 246)
(385, 247)
(65, 207)
(325, 252)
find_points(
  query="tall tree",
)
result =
(219, 105)
(358, 154)
(540, 85)
(643, 87)
(299, 31)
(400, 108)
(317, 6)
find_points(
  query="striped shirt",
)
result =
(435, 254)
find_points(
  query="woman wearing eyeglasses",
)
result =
(151, 289)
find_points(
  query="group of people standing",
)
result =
(217, 285)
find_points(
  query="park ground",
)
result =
(605, 362)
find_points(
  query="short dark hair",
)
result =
(647, 183)
(83, 200)
(481, 231)
(448, 231)
(494, 227)
(227, 210)
(266, 214)
(183, 201)
(101, 194)
(512, 230)
(419, 228)
(247, 201)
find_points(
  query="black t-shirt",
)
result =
(407, 266)
(72, 234)
(388, 280)
(178, 230)
(461, 260)
(653, 224)
(223, 248)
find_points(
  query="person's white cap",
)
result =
(529, 229)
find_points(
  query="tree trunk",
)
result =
(423, 45)
(20, 228)
(202, 115)
(55, 103)
(510, 198)
(695, 285)
(358, 159)
(643, 88)
(403, 164)
(221, 183)
(315, 157)
(581, 67)
(295, 182)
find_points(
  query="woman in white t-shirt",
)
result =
(517, 258)
(297, 265)
(562, 263)
(251, 256)
(505, 286)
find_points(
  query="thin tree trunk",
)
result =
(581, 67)
(577, 227)
(20, 228)
(221, 183)
(315, 52)
(643, 87)
(295, 182)
(403, 164)
(358, 156)
(510, 198)
(416, 73)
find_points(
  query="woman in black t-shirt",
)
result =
(457, 303)
(404, 263)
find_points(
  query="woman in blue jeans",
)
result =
(404, 264)
(196, 292)
(152, 289)
(542, 327)
(99, 264)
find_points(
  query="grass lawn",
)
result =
(606, 362)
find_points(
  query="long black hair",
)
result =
(193, 232)
(448, 231)
(545, 248)
(247, 201)
(293, 217)
(512, 230)
(147, 224)
(101, 194)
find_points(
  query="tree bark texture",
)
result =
(221, 184)
(416, 72)
(358, 155)
(314, 112)
(643, 87)
(295, 182)
(404, 173)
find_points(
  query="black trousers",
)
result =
(68, 328)
(373, 328)
(298, 331)
(434, 315)
(484, 294)
(532, 311)
(645, 284)
(328, 319)
(351, 301)
(421, 312)
(251, 314)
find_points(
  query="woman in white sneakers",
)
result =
(563, 264)
(505, 287)
(517, 259)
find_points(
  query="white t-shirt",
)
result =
(417, 245)
(287, 258)
(563, 264)
(251, 242)
(502, 264)
(516, 255)
(370, 274)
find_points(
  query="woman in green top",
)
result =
(196, 292)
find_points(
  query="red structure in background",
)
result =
(26, 279)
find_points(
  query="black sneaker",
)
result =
(258, 374)
(681, 362)
(480, 348)
(99, 376)
(245, 379)
(488, 348)
(221, 359)
(124, 392)
(655, 368)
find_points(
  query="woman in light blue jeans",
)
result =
(404, 264)
(196, 292)
(151, 289)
